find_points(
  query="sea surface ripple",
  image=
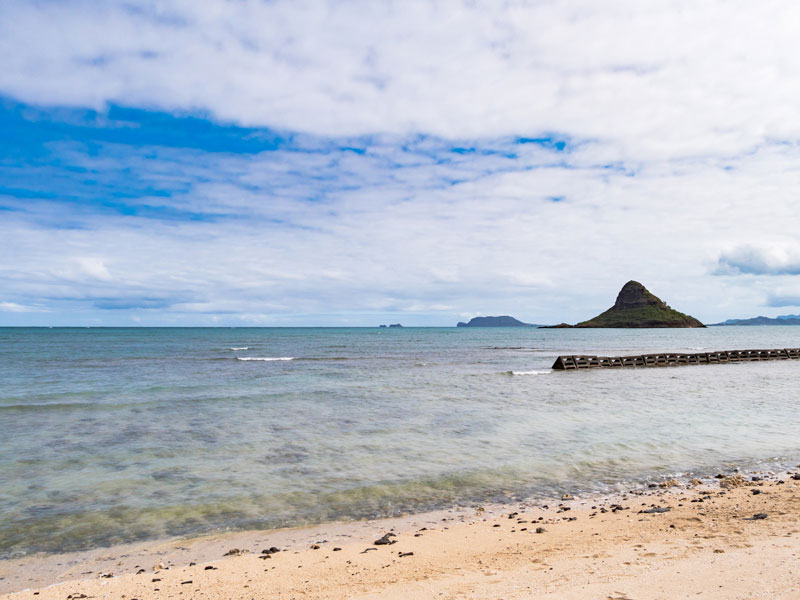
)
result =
(115, 435)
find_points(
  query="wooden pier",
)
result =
(565, 363)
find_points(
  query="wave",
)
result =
(536, 372)
(522, 348)
(303, 358)
(50, 405)
(239, 348)
(265, 358)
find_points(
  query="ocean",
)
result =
(117, 435)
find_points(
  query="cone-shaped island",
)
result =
(638, 308)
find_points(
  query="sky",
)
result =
(290, 163)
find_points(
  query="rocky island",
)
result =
(636, 307)
(503, 321)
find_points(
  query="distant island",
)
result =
(636, 307)
(504, 321)
(785, 320)
(393, 325)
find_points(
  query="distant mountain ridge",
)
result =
(783, 320)
(502, 321)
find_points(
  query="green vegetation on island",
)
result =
(636, 307)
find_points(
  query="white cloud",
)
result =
(767, 259)
(407, 242)
(781, 300)
(13, 307)
(94, 267)
(660, 79)
(683, 158)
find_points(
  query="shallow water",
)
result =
(114, 435)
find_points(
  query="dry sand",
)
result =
(703, 547)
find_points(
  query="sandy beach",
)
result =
(719, 538)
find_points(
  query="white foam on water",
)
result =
(240, 348)
(538, 372)
(265, 358)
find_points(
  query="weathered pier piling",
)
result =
(565, 363)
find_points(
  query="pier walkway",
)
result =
(565, 363)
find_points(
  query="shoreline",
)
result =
(494, 530)
(600, 487)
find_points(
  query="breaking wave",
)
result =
(536, 372)
(265, 358)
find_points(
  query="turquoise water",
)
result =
(115, 435)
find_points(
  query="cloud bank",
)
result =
(345, 162)
(764, 260)
(655, 80)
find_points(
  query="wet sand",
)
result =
(707, 545)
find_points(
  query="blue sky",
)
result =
(356, 163)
